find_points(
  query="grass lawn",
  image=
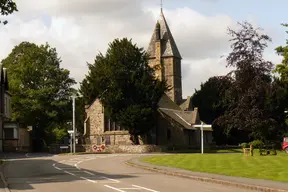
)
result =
(261, 167)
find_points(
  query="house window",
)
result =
(168, 134)
(112, 126)
(9, 133)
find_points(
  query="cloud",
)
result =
(81, 29)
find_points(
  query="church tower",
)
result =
(165, 58)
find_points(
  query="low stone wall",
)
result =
(132, 148)
(122, 148)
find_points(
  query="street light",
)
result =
(74, 132)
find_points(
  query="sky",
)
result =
(80, 29)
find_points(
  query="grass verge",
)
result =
(260, 167)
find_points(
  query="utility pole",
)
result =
(74, 132)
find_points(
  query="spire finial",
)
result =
(161, 5)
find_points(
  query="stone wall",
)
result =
(177, 134)
(171, 71)
(122, 148)
(95, 122)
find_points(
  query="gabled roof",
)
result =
(186, 104)
(169, 48)
(166, 102)
(185, 118)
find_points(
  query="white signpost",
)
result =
(201, 126)
(71, 132)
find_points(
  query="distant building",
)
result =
(12, 138)
(175, 118)
(5, 103)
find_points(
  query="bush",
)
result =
(244, 145)
(257, 144)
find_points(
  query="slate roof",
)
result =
(166, 102)
(186, 104)
(168, 44)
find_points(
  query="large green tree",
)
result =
(246, 100)
(209, 99)
(282, 70)
(7, 7)
(126, 86)
(40, 88)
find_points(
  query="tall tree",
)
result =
(41, 89)
(7, 7)
(282, 70)
(126, 86)
(246, 99)
(209, 99)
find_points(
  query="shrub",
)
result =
(257, 144)
(244, 145)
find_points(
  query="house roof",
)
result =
(166, 102)
(186, 104)
(169, 47)
(185, 118)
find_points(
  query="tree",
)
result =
(282, 70)
(246, 100)
(40, 89)
(7, 7)
(209, 99)
(126, 86)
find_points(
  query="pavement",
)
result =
(96, 172)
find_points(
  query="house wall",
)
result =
(207, 137)
(171, 71)
(177, 134)
(7, 106)
(1, 135)
(95, 128)
(20, 141)
(95, 122)
(24, 140)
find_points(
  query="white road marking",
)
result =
(88, 179)
(130, 188)
(111, 179)
(108, 186)
(144, 188)
(72, 164)
(70, 173)
(89, 173)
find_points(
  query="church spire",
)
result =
(170, 48)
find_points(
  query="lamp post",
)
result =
(74, 132)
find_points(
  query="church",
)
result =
(175, 115)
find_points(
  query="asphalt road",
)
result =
(101, 173)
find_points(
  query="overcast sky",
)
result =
(79, 29)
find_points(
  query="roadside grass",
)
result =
(233, 150)
(271, 167)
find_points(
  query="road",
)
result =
(103, 173)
